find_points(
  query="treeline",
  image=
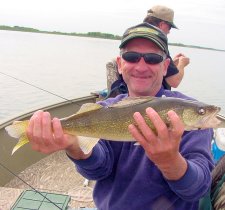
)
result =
(193, 46)
(91, 34)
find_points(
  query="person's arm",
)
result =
(180, 61)
(195, 148)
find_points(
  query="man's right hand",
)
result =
(46, 136)
(181, 60)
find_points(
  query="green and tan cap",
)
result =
(147, 31)
(163, 13)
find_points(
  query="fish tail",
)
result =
(18, 130)
(22, 140)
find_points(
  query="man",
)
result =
(162, 17)
(169, 171)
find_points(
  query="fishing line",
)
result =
(29, 185)
(39, 88)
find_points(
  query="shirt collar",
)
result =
(160, 92)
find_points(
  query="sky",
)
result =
(200, 22)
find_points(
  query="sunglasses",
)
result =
(149, 58)
(168, 24)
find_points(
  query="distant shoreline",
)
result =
(92, 35)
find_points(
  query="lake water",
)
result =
(75, 66)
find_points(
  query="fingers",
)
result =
(37, 126)
(58, 131)
(142, 132)
(177, 126)
(160, 127)
(155, 129)
(40, 132)
(177, 56)
(46, 135)
(34, 129)
(46, 125)
(161, 143)
(138, 135)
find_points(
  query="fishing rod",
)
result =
(6, 168)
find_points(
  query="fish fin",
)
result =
(17, 129)
(16, 122)
(89, 107)
(85, 108)
(130, 101)
(87, 143)
(23, 140)
(190, 128)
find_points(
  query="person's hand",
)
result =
(181, 60)
(162, 146)
(46, 136)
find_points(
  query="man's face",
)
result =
(165, 27)
(142, 79)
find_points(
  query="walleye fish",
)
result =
(111, 123)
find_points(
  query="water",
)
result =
(75, 66)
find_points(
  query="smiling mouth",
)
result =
(141, 77)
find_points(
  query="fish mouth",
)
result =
(211, 121)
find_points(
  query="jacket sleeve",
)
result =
(195, 148)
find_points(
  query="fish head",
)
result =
(200, 116)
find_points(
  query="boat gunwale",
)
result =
(23, 115)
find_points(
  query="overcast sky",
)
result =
(200, 22)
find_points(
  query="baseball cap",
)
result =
(163, 13)
(147, 31)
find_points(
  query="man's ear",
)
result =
(118, 60)
(160, 25)
(166, 64)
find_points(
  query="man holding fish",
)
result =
(170, 169)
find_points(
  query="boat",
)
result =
(54, 173)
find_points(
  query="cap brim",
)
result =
(151, 38)
(173, 25)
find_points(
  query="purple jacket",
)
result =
(127, 179)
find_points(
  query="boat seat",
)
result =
(115, 83)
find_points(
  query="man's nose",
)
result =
(142, 65)
(142, 61)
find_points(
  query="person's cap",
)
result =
(163, 13)
(147, 31)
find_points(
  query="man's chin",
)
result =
(141, 91)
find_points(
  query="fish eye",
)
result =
(201, 111)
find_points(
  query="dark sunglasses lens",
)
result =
(152, 58)
(131, 57)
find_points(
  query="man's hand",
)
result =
(181, 61)
(161, 148)
(47, 136)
